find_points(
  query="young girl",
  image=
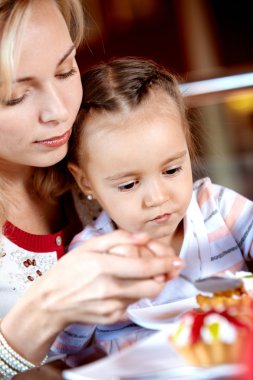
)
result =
(40, 95)
(133, 151)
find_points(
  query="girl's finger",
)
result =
(125, 250)
(160, 249)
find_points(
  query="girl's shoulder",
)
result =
(207, 194)
(205, 185)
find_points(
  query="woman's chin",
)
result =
(52, 158)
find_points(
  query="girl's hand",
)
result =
(150, 249)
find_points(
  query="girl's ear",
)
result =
(80, 178)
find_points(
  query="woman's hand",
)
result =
(93, 286)
(151, 248)
(87, 285)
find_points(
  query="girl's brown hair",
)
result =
(127, 82)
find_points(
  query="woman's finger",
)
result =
(116, 238)
(140, 267)
(99, 308)
(108, 287)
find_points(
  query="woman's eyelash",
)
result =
(67, 74)
(13, 102)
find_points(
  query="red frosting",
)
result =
(199, 318)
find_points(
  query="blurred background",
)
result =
(208, 44)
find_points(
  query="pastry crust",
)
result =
(238, 297)
(211, 338)
(220, 301)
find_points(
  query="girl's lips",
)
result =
(161, 218)
(56, 141)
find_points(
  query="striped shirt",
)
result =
(218, 236)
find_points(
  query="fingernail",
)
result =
(177, 263)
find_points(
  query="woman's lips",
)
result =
(56, 141)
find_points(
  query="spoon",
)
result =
(213, 284)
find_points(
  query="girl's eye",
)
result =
(15, 101)
(67, 74)
(173, 171)
(127, 186)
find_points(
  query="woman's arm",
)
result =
(87, 285)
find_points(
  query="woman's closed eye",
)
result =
(18, 100)
(67, 74)
(172, 171)
(127, 186)
(15, 101)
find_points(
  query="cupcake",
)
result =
(241, 296)
(247, 280)
(210, 338)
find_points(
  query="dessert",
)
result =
(241, 296)
(210, 338)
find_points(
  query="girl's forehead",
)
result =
(136, 137)
(156, 104)
(126, 125)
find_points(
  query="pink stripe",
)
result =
(236, 210)
(218, 234)
(203, 196)
(230, 220)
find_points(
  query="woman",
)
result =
(40, 97)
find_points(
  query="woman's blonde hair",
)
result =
(13, 17)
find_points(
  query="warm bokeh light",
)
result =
(241, 102)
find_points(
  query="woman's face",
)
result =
(36, 122)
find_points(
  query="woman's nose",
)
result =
(155, 194)
(53, 108)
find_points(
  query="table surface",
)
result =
(139, 358)
(54, 370)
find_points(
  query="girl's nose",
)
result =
(53, 109)
(155, 194)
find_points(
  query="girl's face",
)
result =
(35, 124)
(138, 167)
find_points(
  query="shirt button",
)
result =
(58, 240)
